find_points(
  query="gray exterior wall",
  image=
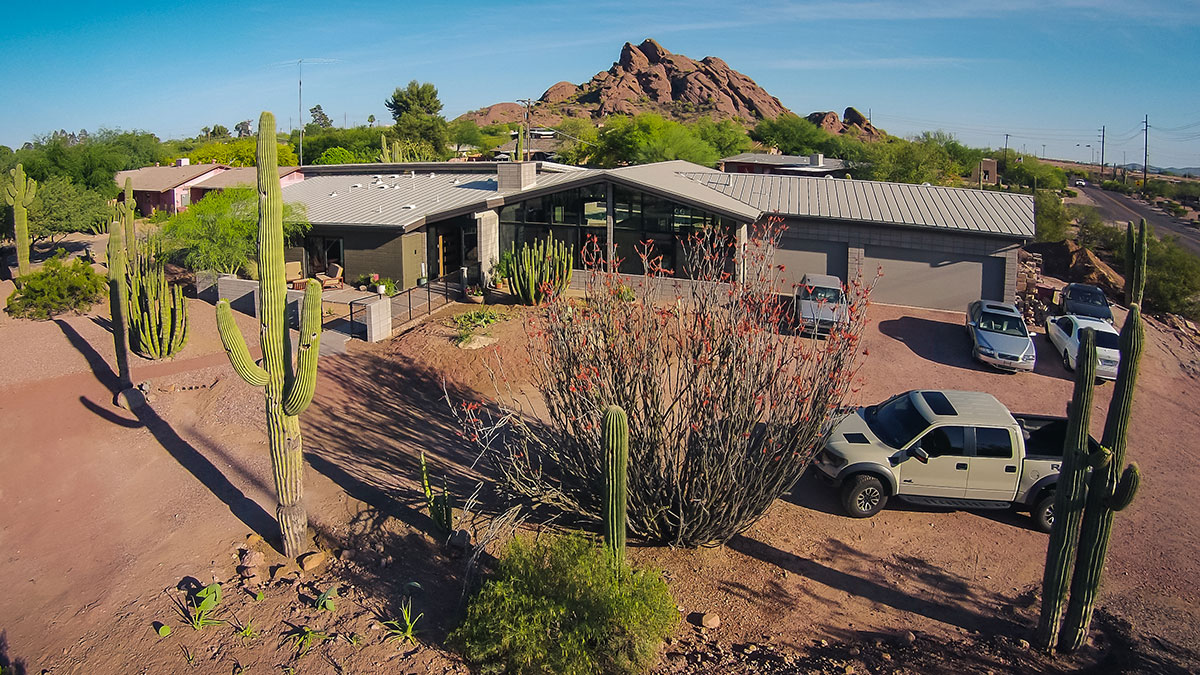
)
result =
(368, 249)
(858, 237)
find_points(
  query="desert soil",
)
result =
(107, 512)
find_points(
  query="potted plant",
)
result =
(474, 295)
(379, 288)
(501, 269)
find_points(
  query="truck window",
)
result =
(993, 443)
(945, 442)
(896, 422)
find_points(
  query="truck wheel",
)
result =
(863, 496)
(1043, 513)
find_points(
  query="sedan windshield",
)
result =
(1088, 298)
(999, 323)
(896, 422)
(818, 294)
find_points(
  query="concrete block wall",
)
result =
(488, 234)
(378, 319)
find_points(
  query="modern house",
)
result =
(985, 173)
(938, 247)
(173, 188)
(815, 165)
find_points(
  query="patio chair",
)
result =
(332, 278)
(293, 271)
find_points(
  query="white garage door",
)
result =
(932, 279)
(809, 256)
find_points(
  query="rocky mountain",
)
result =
(852, 123)
(648, 78)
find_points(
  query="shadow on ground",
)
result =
(201, 467)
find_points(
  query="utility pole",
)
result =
(1145, 148)
(1043, 151)
(524, 144)
(300, 104)
(1102, 153)
(1005, 153)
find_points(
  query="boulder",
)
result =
(559, 92)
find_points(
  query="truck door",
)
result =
(946, 473)
(995, 468)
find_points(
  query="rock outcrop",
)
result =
(648, 78)
(852, 122)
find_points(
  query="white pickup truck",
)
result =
(958, 449)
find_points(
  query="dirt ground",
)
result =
(106, 513)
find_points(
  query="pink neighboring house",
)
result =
(242, 176)
(158, 188)
(174, 188)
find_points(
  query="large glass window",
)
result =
(572, 215)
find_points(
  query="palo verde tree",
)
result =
(725, 408)
(19, 194)
(288, 386)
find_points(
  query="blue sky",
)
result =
(1045, 72)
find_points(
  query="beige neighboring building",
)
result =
(985, 173)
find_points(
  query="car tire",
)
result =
(863, 496)
(1043, 513)
(1067, 361)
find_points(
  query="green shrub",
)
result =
(560, 606)
(1050, 217)
(160, 216)
(57, 288)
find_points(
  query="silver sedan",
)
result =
(999, 337)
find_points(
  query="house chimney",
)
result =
(515, 176)
(183, 161)
(816, 159)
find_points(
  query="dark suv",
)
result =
(1086, 300)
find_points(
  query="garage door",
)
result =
(932, 279)
(802, 256)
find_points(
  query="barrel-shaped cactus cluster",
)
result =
(19, 194)
(614, 439)
(288, 385)
(158, 321)
(540, 270)
(1093, 484)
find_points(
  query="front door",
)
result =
(945, 475)
(995, 471)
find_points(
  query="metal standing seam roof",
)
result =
(786, 161)
(932, 206)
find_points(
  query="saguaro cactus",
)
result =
(288, 388)
(1109, 489)
(158, 312)
(615, 441)
(1069, 497)
(19, 194)
(118, 301)
(1135, 263)
(540, 268)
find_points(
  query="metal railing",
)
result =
(423, 300)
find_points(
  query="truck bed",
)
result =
(1044, 436)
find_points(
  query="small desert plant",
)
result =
(303, 639)
(441, 511)
(562, 605)
(403, 630)
(57, 288)
(326, 600)
(245, 631)
(469, 322)
(197, 610)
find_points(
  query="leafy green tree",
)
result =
(337, 155)
(370, 120)
(650, 138)
(362, 142)
(417, 112)
(580, 140)
(61, 207)
(465, 132)
(792, 134)
(1050, 217)
(319, 117)
(728, 137)
(238, 152)
(219, 131)
(243, 129)
(220, 232)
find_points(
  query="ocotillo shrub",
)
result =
(560, 606)
(725, 405)
(158, 321)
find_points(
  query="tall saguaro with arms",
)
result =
(288, 385)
